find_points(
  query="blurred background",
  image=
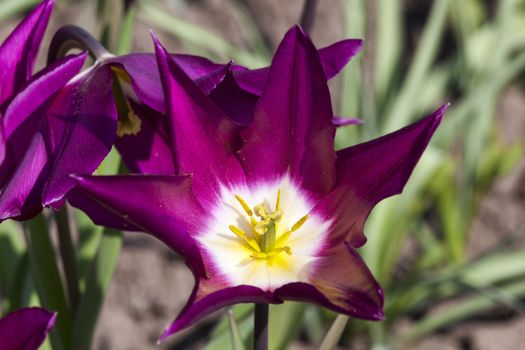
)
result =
(449, 252)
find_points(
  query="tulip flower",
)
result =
(269, 212)
(24, 101)
(235, 89)
(25, 329)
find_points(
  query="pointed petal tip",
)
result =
(165, 334)
(53, 318)
(437, 116)
(156, 42)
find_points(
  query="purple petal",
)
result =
(25, 167)
(343, 121)
(204, 138)
(341, 282)
(163, 206)
(21, 192)
(22, 115)
(144, 73)
(209, 296)
(3, 145)
(236, 102)
(26, 329)
(148, 152)
(98, 212)
(18, 52)
(372, 171)
(83, 119)
(292, 130)
(337, 55)
(333, 59)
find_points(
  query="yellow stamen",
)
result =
(276, 251)
(242, 235)
(264, 227)
(244, 205)
(295, 227)
(283, 237)
(259, 255)
(300, 223)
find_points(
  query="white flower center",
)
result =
(263, 236)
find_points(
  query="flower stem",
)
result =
(308, 15)
(260, 327)
(69, 260)
(334, 334)
(72, 37)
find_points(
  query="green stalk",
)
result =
(260, 327)
(334, 334)
(97, 285)
(69, 260)
(47, 280)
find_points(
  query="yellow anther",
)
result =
(278, 201)
(242, 235)
(244, 205)
(300, 223)
(130, 125)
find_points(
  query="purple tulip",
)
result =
(270, 212)
(25, 329)
(235, 89)
(24, 101)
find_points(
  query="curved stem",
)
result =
(260, 327)
(72, 37)
(308, 15)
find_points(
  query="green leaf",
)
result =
(11, 253)
(389, 44)
(285, 323)
(125, 34)
(352, 75)
(198, 36)
(403, 108)
(236, 339)
(12, 8)
(47, 280)
(460, 311)
(97, 285)
(220, 339)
